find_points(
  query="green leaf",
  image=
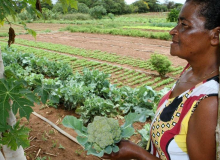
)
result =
(94, 152)
(127, 132)
(82, 140)
(44, 91)
(15, 91)
(17, 136)
(5, 107)
(134, 117)
(108, 150)
(9, 74)
(3, 127)
(145, 131)
(2, 23)
(47, 1)
(115, 149)
(32, 32)
(76, 124)
(67, 3)
(73, 4)
(88, 146)
(31, 2)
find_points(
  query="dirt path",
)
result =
(122, 45)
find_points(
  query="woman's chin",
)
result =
(173, 53)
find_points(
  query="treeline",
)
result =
(88, 9)
(116, 7)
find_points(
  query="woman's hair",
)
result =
(210, 9)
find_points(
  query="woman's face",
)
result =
(189, 37)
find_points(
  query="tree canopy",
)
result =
(13, 7)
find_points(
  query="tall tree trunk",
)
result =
(218, 126)
(7, 152)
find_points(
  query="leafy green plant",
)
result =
(78, 152)
(138, 100)
(96, 106)
(44, 138)
(173, 15)
(111, 16)
(61, 147)
(160, 63)
(94, 138)
(43, 158)
(145, 135)
(54, 144)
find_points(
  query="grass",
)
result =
(119, 31)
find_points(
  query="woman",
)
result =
(186, 118)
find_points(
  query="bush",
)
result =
(97, 12)
(160, 63)
(24, 16)
(173, 15)
(83, 8)
(57, 8)
(111, 16)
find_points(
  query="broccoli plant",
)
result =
(102, 135)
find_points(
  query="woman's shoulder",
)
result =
(209, 86)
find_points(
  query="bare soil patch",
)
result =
(38, 27)
(122, 45)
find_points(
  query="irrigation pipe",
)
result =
(58, 129)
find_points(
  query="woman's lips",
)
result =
(174, 42)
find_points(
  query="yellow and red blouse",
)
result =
(170, 125)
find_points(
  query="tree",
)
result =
(47, 4)
(83, 8)
(142, 6)
(12, 143)
(153, 5)
(97, 12)
(170, 5)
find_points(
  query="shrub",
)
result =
(24, 16)
(57, 8)
(160, 63)
(47, 14)
(173, 15)
(111, 16)
(83, 8)
(97, 12)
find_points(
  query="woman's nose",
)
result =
(173, 31)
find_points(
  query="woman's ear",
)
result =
(215, 36)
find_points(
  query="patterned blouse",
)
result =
(169, 127)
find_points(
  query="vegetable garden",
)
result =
(84, 83)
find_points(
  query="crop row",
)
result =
(97, 55)
(119, 75)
